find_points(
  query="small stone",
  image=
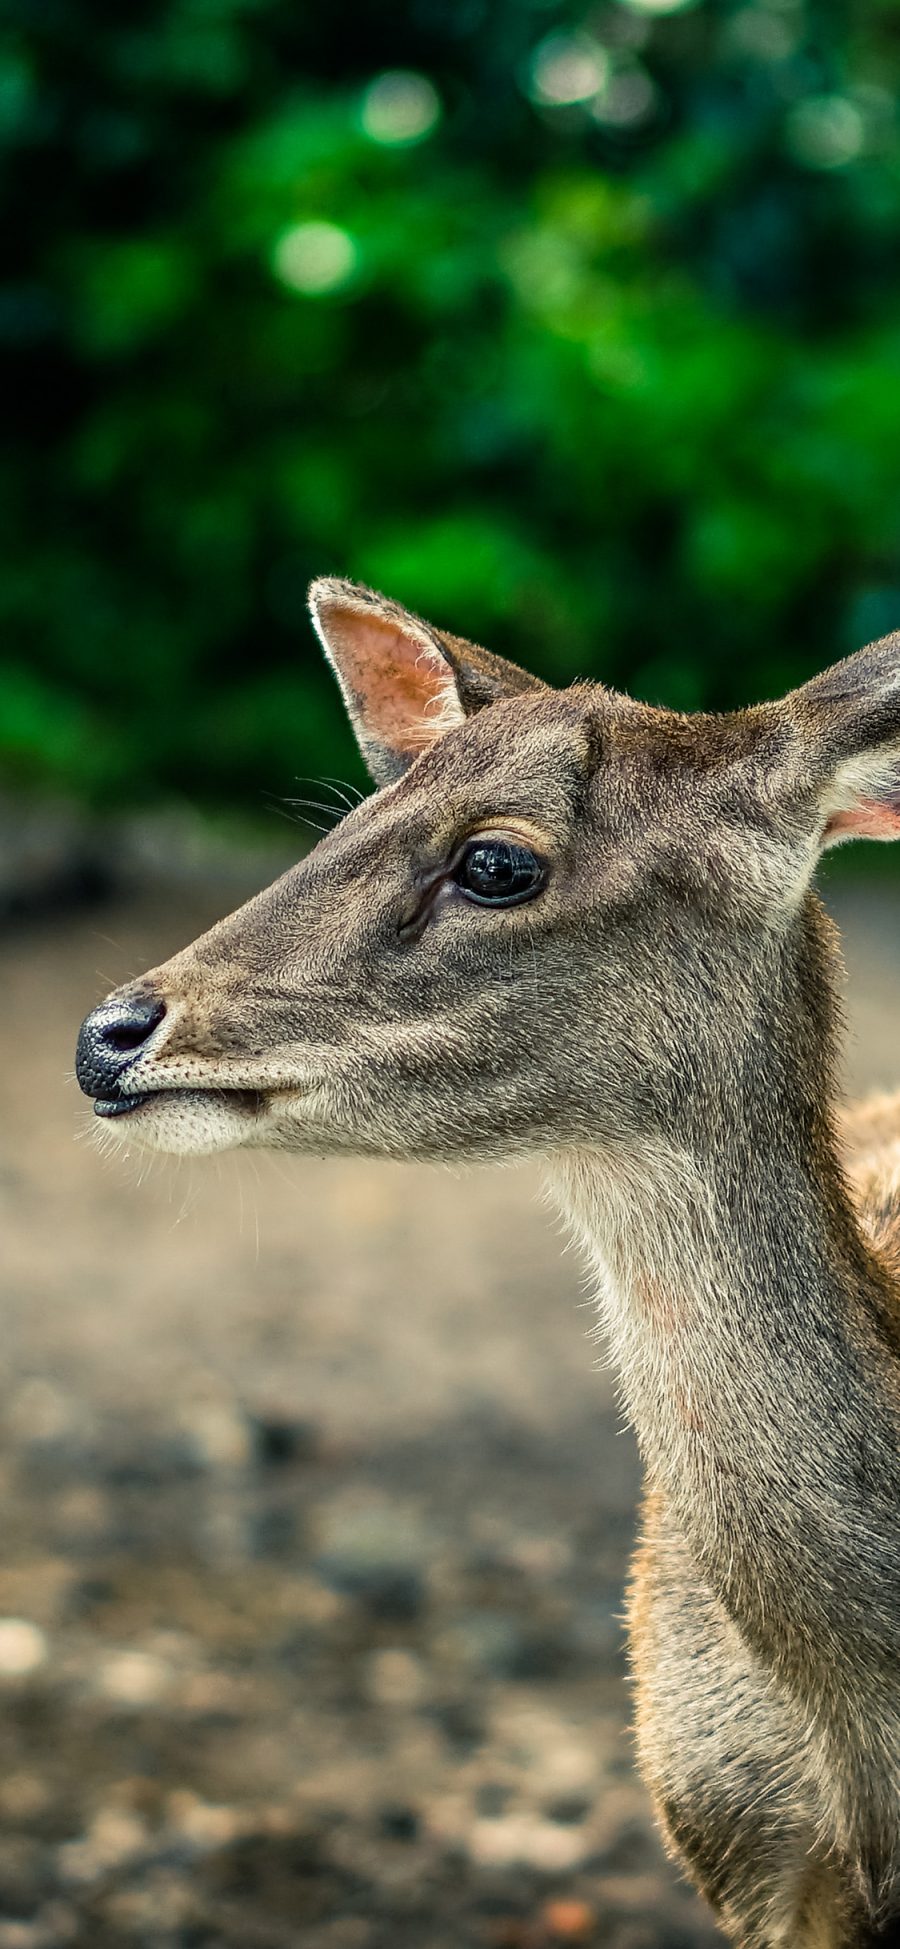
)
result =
(156, 1909)
(480, 1640)
(203, 1824)
(569, 1809)
(556, 1850)
(315, 1603)
(399, 1823)
(568, 1921)
(494, 1642)
(544, 1557)
(448, 1820)
(218, 1434)
(566, 1768)
(492, 1798)
(281, 1439)
(89, 1595)
(375, 1554)
(461, 1721)
(215, 1693)
(522, 1840)
(23, 1647)
(534, 1655)
(115, 1835)
(394, 1677)
(134, 1678)
(499, 1842)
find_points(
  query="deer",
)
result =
(578, 926)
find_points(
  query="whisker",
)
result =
(318, 805)
(299, 819)
(345, 795)
(351, 794)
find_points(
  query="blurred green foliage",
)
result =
(575, 327)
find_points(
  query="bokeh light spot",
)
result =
(660, 6)
(629, 100)
(314, 258)
(761, 34)
(400, 107)
(567, 68)
(825, 131)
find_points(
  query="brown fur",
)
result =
(659, 1022)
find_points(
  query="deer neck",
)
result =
(750, 1325)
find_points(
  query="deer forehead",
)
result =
(574, 764)
(623, 798)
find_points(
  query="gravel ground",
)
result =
(318, 1511)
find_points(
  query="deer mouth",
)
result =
(188, 1119)
(249, 1102)
(119, 1106)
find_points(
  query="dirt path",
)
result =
(317, 1520)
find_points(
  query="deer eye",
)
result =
(498, 873)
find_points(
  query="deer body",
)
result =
(764, 1603)
(573, 925)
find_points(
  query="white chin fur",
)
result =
(185, 1123)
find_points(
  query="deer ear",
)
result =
(852, 714)
(404, 683)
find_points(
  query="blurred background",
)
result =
(577, 329)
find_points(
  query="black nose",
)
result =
(111, 1038)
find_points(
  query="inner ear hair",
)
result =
(848, 722)
(867, 790)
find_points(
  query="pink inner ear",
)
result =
(868, 819)
(401, 685)
(401, 689)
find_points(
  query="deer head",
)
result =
(557, 915)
